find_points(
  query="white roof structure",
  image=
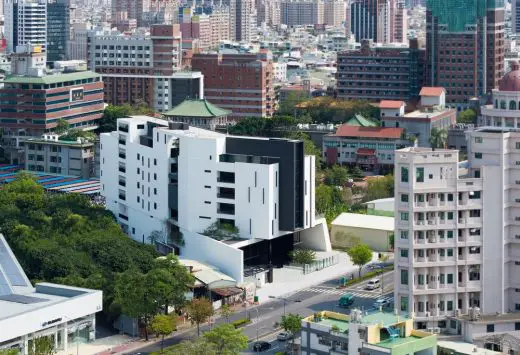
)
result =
(465, 348)
(208, 275)
(365, 221)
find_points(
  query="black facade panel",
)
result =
(291, 173)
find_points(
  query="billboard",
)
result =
(76, 94)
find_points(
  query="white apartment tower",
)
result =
(179, 180)
(25, 23)
(458, 234)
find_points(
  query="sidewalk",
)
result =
(288, 280)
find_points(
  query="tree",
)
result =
(357, 173)
(162, 325)
(9, 352)
(438, 137)
(380, 187)
(226, 312)
(74, 134)
(302, 256)
(174, 283)
(198, 346)
(467, 116)
(222, 231)
(337, 175)
(391, 240)
(199, 310)
(62, 126)
(360, 255)
(227, 339)
(292, 323)
(43, 345)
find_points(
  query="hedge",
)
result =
(369, 275)
(240, 322)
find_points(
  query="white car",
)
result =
(283, 336)
(383, 302)
(373, 284)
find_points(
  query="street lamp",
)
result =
(285, 300)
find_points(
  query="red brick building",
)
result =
(31, 105)
(242, 83)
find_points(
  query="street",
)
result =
(321, 297)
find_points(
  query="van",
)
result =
(346, 300)
(373, 284)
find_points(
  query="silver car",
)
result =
(283, 336)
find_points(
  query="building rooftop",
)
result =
(50, 79)
(432, 91)
(357, 220)
(80, 144)
(359, 120)
(369, 132)
(392, 343)
(460, 347)
(392, 104)
(197, 108)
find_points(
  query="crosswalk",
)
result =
(339, 292)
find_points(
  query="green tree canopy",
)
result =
(291, 323)
(438, 137)
(336, 175)
(360, 255)
(62, 126)
(226, 339)
(199, 346)
(467, 116)
(303, 256)
(108, 122)
(163, 325)
(380, 187)
(199, 310)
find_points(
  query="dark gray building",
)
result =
(58, 29)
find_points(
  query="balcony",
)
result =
(122, 141)
(122, 216)
(122, 155)
(122, 197)
(122, 169)
(122, 183)
(226, 195)
(226, 177)
(226, 208)
(123, 128)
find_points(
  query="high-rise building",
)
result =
(515, 16)
(243, 20)
(144, 68)
(383, 21)
(464, 47)
(268, 12)
(457, 231)
(123, 11)
(182, 180)
(25, 22)
(334, 12)
(301, 12)
(242, 83)
(58, 29)
(209, 25)
(376, 72)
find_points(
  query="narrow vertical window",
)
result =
(249, 225)
(275, 211)
(255, 178)
(248, 194)
(263, 195)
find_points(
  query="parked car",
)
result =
(261, 346)
(283, 336)
(373, 284)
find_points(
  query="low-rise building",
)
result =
(66, 314)
(198, 113)
(51, 155)
(369, 147)
(432, 113)
(374, 231)
(366, 333)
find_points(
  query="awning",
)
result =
(365, 151)
(228, 291)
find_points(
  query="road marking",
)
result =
(366, 294)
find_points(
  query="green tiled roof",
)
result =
(359, 120)
(197, 108)
(50, 79)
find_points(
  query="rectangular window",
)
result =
(207, 202)
(420, 279)
(404, 277)
(404, 253)
(450, 234)
(250, 225)
(404, 234)
(263, 195)
(207, 187)
(204, 217)
(404, 174)
(490, 328)
(154, 161)
(275, 214)
(404, 198)
(404, 303)
(255, 179)
(449, 306)
(517, 325)
(248, 194)
(404, 216)
(478, 155)
(419, 174)
(450, 278)
(450, 215)
(442, 279)
(450, 197)
(207, 171)
(478, 139)
(517, 144)
(450, 252)
(517, 306)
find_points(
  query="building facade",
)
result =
(32, 105)
(464, 48)
(380, 72)
(180, 180)
(242, 83)
(58, 29)
(515, 16)
(144, 68)
(46, 310)
(25, 22)
(302, 12)
(50, 155)
(334, 13)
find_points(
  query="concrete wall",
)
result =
(377, 240)
(317, 238)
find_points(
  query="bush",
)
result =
(303, 256)
(280, 353)
(240, 322)
(369, 275)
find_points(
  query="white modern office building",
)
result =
(179, 180)
(458, 235)
(25, 22)
(65, 314)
